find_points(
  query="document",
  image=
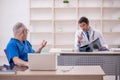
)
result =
(94, 45)
(115, 49)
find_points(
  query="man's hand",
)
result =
(80, 38)
(102, 48)
(43, 44)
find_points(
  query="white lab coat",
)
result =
(93, 35)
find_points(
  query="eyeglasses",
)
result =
(26, 30)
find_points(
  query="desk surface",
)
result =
(70, 51)
(66, 71)
(7, 73)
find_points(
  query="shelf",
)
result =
(111, 14)
(59, 3)
(113, 33)
(113, 3)
(111, 20)
(38, 44)
(53, 21)
(63, 14)
(40, 32)
(40, 7)
(110, 7)
(89, 7)
(64, 45)
(114, 44)
(64, 7)
(94, 19)
(41, 3)
(41, 20)
(39, 14)
(65, 20)
(90, 3)
(90, 13)
(65, 33)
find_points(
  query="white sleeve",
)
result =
(102, 40)
(76, 44)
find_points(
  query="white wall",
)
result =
(11, 11)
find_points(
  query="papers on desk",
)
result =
(115, 49)
(67, 50)
(65, 68)
(55, 50)
(5, 72)
(59, 50)
(5, 69)
(95, 45)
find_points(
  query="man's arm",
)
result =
(19, 62)
(103, 43)
(43, 44)
(78, 38)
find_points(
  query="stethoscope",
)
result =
(82, 34)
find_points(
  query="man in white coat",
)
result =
(87, 34)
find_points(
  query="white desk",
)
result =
(7, 73)
(71, 51)
(108, 60)
(62, 73)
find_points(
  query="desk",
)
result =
(109, 61)
(7, 73)
(62, 73)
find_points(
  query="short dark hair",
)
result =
(83, 19)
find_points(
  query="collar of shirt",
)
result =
(18, 40)
(89, 31)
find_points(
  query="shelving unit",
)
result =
(111, 24)
(51, 20)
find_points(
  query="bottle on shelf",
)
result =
(66, 3)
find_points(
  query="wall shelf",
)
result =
(90, 7)
(65, 33)
(112, 33)
(40, 7)
(40, 32)
(65, 8)
(55, 21)
(65, 20)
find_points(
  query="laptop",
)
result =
(44, 62)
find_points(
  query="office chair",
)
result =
(10, 65)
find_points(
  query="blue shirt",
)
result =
(15, 48)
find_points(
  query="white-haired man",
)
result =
(18, 47)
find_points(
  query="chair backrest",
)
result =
(7, 58)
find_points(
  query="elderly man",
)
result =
(18, 47)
